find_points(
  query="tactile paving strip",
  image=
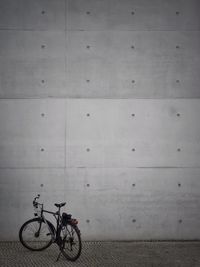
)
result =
(143, 254)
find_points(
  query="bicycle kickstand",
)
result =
(58, 256)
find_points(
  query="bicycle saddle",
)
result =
(60, 204)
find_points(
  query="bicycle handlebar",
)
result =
(38, 207)
(35, 202)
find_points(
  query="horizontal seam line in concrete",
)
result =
(75, 167)
(106, 30)
(99, 98)
(93, 30)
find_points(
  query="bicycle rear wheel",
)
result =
(35, 234)
(71, 241)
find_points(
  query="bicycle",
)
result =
(38, 233)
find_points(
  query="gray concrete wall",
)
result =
(99, 106)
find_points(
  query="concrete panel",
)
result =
(133, 64)
(133, 133)
(36, 15)
(32, 78)
(32, 64)
(111, 204)
(125, 204)
(32, 133)
(31, 45)
(133, 15)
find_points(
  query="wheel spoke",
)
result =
(35, 235)
(71, 247)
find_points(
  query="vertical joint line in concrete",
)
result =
(66, 15)
(65, 142)
(65, 117)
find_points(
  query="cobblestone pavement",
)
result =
(148, 254)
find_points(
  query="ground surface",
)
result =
(148, 254)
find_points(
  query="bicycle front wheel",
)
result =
(70, 241)
(35, 234)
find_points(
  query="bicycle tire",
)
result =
(34, 243)
(70, 236)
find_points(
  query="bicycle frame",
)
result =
(57, 216)
(65, 234)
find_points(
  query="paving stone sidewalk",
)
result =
(108, 254)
